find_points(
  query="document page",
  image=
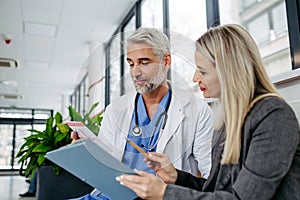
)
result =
(83, 131)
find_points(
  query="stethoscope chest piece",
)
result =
(136, 131)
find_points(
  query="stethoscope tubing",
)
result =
(136, 131)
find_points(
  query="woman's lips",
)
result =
(202, 89)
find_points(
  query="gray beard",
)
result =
(152, 83)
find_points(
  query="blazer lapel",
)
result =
(217, 151)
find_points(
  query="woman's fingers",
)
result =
(145, 185)
(138, 184)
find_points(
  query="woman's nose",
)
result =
(197, 77)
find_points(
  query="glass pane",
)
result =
(115, 68)
(279, 22)
(86, 94)
(6, 135)
(40, 114)
(82, 98)
(259, 28)
(24, 113)
(77, 99)
(267, 23)
(128, 30)
(16, 113)
(21, 133)
(247, 3)
(152, 15)
(187, 24)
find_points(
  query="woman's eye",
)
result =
(201, 72)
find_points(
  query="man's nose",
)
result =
(136, 70)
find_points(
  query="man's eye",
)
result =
(131, 64)
(145, 63)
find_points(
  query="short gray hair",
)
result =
(152, 37)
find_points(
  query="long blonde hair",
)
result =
(242, 77)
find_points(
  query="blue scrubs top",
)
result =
(148, 139)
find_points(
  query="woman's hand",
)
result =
(146, 186)
(163, 167)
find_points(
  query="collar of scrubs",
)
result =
(143, 118)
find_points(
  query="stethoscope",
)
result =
(137, 131)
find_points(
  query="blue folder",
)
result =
(92, 164)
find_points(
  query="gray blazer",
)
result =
(269, 166)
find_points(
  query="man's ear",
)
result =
(167, 60)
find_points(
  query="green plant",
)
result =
(56, 134)
(33, 151)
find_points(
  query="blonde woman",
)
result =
(256, 151)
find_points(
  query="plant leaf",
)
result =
(49, 124)
(41, 159)
(34, 131)
(64, 128)
(28, 143)
(91, 110)
(31, 167)
(94, 129)
(74, 115)
(27, 155)
(56, 169)
(59, 136)
(58, 118)
(42, 148)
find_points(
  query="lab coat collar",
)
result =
(175, 115)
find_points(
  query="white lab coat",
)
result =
(186, 138)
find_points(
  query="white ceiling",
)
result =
(78, 22)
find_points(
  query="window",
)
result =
(114, 64)
(128, 30)
(187, 24)
(267, 23)
(152, 14)
(247, 3)
(13, 127)
(79, 98)
(280, 26)
(259, 28)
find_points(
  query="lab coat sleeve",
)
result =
(203, 139)
(106, 129)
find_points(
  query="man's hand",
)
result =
(75, 137)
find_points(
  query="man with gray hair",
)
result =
(158, 117)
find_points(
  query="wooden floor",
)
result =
(12, 186)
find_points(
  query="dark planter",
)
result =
(59, 187)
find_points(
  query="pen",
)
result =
(137, 147)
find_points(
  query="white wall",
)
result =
(288, 85)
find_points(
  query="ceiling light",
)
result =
(9, 82)
(10, 96)
(39, 29)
